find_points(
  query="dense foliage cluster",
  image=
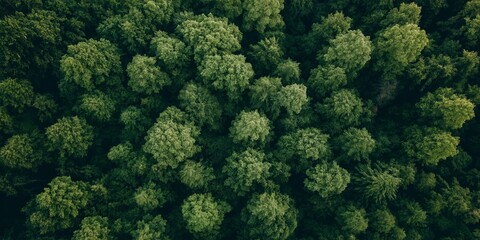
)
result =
(239, 119)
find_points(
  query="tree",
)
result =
(93, 228)
(406, 13)
(17, 94)
(262, 15)
(71, 136)
(145, 76)
(382, 221)
(229, 73)
(266, 55)
(343, 108)
(151, 228)
(209, 35)
(203, 214)
(20, 152)
(411, 214)
(201, 105)
(308, 145)
(263, 94)
(350, 51)
(430, 145)
(97, 106)
(269, 216)
(292, 97)
(91, 63)
(170, 141)
(331, 26)
(399, 45)
(327, 179)
(150, 196)
(196, 175)
(226, 8)
(356, 144)
(352, 219)
(250, 128)
(245, 169)
(446, 109)
(289, 71)
(378, 184)
(171, 52)
(6, 121)
(57, 206)
(324, 80)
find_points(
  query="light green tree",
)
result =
(91, 63)
(203, 215)
(93, 228)
(406, 13)
(356, 144)
(250, 128)
(98, 106)
(269, 216)
(262, 15)
(343, 108)
(350, 51)
(151, 228)
(292, 97)
(145, 76)
(379, 184)
(16, 93)
(352, 220)
(57, 206)
(150, 196)
(20, 152)
(324, 80)
(229, 73)
(446, 109)
(196, 175)
(170, 141)
(430, 145)
(245, 169)
(71, 136)
(327, 179)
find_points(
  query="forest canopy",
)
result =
(239, 119)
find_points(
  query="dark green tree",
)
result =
(356, 144)
(20, 152)
(327, 179)
(145, 76)
(380, 183)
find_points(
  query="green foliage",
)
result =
(209, 35)
(19, 152)
(71, 136)
(145, 76)
(171, 52)
(266, 55)
(446, 109)
(57, 206)
(377, 184)
(356, 144)
(201, 105)
(245, 169)
(344, 107)
(150, 196)
(229, 73)
(170, 141)
(382, 221)
(398, 46)
(262, 15)
(263, 93)
(98, 106)
(407, 13)
(331, 26)
(195, 175)
(270, 216)
(93, 228)
(17, 94)
(430, 145)
(352, 219)
(289, 71)
(310, 145)
(203, 214)
(6, 121)
(412, 214)
(293, 98)
(91, 63)
(327, 179)
(250, 128)
(151, 228)
(350, 51)
(324, 80)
